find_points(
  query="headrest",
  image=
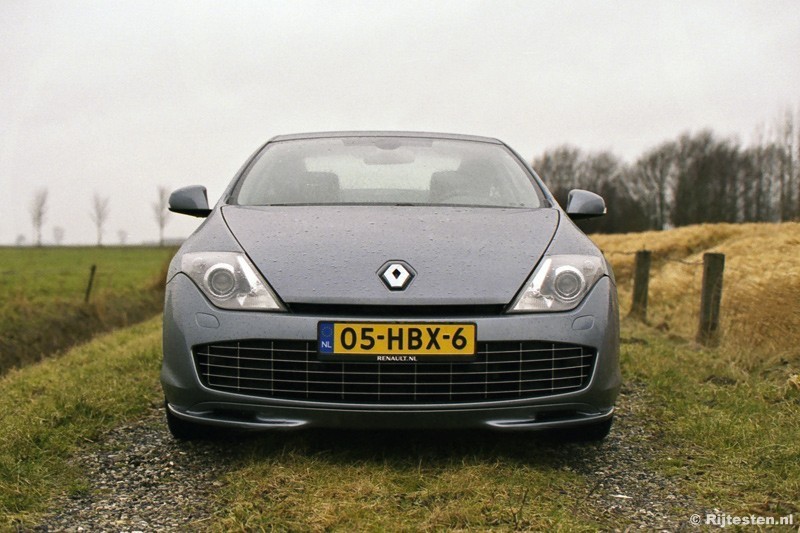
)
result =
(306, 187)
(451, 183)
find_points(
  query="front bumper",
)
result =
(190, 320)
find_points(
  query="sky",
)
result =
(117, 98)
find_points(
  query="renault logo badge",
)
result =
(396, 275)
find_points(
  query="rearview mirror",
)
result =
(191, 200)
(584, 204)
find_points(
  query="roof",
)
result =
(426, 135)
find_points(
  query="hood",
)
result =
(332, 254)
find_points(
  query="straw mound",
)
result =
(761, 286)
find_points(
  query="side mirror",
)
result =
(584, 204)
(191, 200)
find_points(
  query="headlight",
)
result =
(230, 281)
(559, 283)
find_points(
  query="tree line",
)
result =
(98, 214)
(696, 178)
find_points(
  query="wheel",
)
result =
(593, 432)
(183, 430)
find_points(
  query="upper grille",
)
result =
(290, 370)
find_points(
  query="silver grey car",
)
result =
(389, 280)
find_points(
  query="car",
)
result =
(389, 280)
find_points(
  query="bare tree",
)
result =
(785, 139)
(161, 212)
(796, 156)
(123, 236)
(99, 215)
(655, 176)
(38, 212)
(58, 235)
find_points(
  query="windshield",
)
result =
(388, 171)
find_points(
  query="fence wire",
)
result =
(692, 286)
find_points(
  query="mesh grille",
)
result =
(290, 370)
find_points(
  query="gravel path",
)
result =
(143, 480)
(623, 487)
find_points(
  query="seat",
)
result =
(471, 182)
(306, 188)
(445, 184)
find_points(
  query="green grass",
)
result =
(733, 436)
(52, 410)
(42, 293)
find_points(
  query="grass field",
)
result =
(43, 290)
(719, 428)
(43, 275)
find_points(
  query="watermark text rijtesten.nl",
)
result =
(724, 520)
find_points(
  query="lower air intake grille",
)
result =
(290, 370)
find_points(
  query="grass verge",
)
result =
(730, 436)
(52, 410)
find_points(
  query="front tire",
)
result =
(183, 430)
(594, 432)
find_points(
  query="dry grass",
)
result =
(761, 287)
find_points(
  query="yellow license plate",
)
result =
(396, 341)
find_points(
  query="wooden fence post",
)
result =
(641, 279)
(713, 266)
(89, 285)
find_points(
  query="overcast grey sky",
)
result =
(121, 97)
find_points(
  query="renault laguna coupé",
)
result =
(389, 280)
